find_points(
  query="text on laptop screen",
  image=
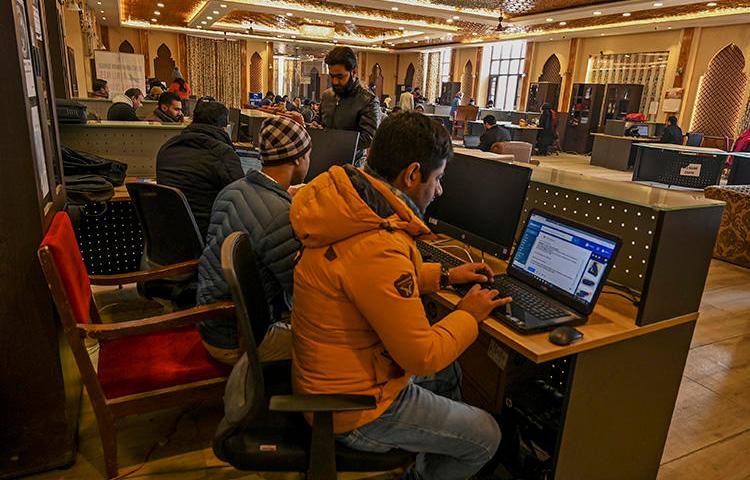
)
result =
(563, 257)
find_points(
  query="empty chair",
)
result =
(694, 139)
(464, 114)
(253, 420)
(521, 151)
(144, 365)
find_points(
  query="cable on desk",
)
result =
(632, 300)
(468, 255)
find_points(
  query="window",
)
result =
(506, 70)
(445, 65)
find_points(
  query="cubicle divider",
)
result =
(100, 106)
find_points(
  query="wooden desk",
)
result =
(615, 151)
(618, 387)
(517, 133)
(690, 167)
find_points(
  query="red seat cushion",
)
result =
(157, 360)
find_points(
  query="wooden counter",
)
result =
(614, 151)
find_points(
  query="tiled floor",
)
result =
(708, 440)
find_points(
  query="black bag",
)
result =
(85, 189)
(70, 111)
(82, 163)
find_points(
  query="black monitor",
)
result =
(481, 203)
(329, 148)
(234, 123)
(740, 172)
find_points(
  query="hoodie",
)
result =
(358, 321)
(122, 109)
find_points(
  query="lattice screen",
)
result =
(721, 91)
(645, 69)
(214, 67)
(419, 72)
(551, 70)
(432, 89)
(256, 73)
(745, 123)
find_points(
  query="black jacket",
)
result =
(122, 112)
(200, 162)
(672, 134)
(493, 135)
(359, 111)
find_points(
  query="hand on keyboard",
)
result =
(471, 273)
(480, 302)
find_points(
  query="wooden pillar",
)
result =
(104, 35)
(395, 76)
(243, 75)
(181, 58)
(143, 40)
(682, 60)
(569, 72)
(526, 76)
(269, 60)
(477, 70)
(56, 43)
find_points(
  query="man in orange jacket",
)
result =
(358, 323)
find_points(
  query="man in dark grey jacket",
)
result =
(258, 205)
(347, 105)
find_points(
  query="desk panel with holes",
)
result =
(678, 165)
(667, 237)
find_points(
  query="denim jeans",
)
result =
(453, 440)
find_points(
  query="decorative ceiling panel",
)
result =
(175, 12)
(515, 8)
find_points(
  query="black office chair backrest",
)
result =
(169, 230)
(694, 139)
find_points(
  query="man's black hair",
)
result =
(490, 120)
(211, 113)
(342, 56)
(133, 92)
(167, 98)
(269, 93)
(672, 120)
(405, 138)
(99, 84)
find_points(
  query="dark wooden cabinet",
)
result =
(541, 93)
(619, 100)
(584, 115)
(448, 90)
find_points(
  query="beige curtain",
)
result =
(215, 69)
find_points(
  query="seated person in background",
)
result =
(259, 206)
(419, 109)
(200, 161)
(672, 134)
(268, 99)
(307, 111)
(387, 101)
(154, 93)
(492, 133)
(168, 110)
(490, 104)
(180, 86)
(124, 106)
(101, 89)
(359, 324)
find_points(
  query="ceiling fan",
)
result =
(500, 27)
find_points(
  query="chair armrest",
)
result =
(143, 275)
(321, 403)
(105, 331)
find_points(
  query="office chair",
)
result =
(144, 365)
(170, 236)
(694, 139)
(270, 434)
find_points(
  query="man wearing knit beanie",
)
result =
(259, 206)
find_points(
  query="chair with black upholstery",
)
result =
(694, 139)
(271, 434)
(170, 236)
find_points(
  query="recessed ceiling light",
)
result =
(101, 11)
(626, 14)
(216, 12)
(294, 36)
(400, 28)
(450, 20)
(549, 19)
(104, 18)
(414, 41)
(199, 26)
(335, 41)
(658, 4)
(348, 22)
(223, 5)
(98, 3)
(474, 33)
(209, 18)
(157, 12)
(597, 13)
(602, 34)
(563, 23)
(153, 20)
(160, 5)
(669, 28)
(711, 4)
(289, 14)
(203, 22)
(456, 17)
(395, 9)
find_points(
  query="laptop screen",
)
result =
(564, 258)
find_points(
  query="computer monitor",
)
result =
(567, 261)
(329, 148)
(481, 203)
(642, 130)
(234, 123)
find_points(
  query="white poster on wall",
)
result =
(121, 70)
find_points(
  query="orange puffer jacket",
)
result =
(358, 322)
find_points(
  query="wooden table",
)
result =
(517, 133)
(615, 151)
(619, 384)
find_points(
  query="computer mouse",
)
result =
(564, 335)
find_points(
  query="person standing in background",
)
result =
(179, 85)
(406, 100)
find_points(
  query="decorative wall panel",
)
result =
(214, 67)
(551, 70)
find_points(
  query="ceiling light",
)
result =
(199, 26)
(294, 36)
(562, 24)
(456, 17)
(414, 41)
(157, 12)
(160, 5)
(711, 4)
(626, 14)
(104, 18)
(101, 11)
(549, 19)
(289, 14)
(597, 13)
(400, 28)
(203, 22)
(474, 33)
(153, 20)
(335, 41)
(223, 5)
(450, 20)
(395, 9)
(98, 3)
(209, 18)
(602, 34)
(658, 4)
(348, 22)
(669, 28)
(216, 12)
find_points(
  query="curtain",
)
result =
(215, 69)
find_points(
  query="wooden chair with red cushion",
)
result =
(144, 365)
(464, 114)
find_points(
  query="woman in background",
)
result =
(548, 133)
(179, 85)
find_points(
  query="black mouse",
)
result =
(564, 335)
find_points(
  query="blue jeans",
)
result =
(453, 440)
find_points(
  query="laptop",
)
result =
(471, 141)
(556, 274)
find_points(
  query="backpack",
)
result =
(70, 111)
(82, 163)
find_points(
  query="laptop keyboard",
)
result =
(526, 298)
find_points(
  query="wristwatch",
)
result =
(445, 277)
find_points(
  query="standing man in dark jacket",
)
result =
(200, 161)
(673, 133)
(259, 206)
(124, 106)
(493, 133)
(347, 105)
